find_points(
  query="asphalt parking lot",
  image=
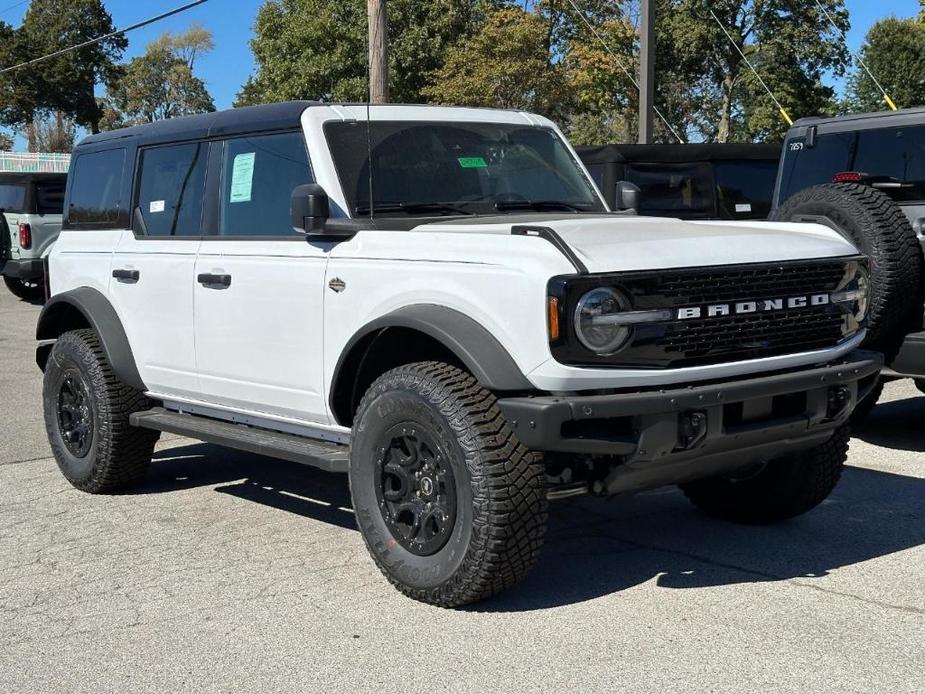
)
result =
(233, 572)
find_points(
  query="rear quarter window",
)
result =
(744, 188)
(95, 189)
(49, 196)
(804, 166)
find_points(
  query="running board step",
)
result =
(328, 456)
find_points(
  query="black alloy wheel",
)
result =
(75, 414)
(416, 490)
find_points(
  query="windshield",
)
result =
(457, 168)
(12, 197)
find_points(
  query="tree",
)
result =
(791, 44)
(65, 83)
(54, 134)
(6, 142)
(504, 65)
(159, 84)
(894, 51)
(316, 49)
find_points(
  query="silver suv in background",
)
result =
(32, 199)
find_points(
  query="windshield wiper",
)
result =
(504, 205)
(412, 207)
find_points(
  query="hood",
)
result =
(619, 243)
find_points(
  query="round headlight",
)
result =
(862, 280)
(594, 320)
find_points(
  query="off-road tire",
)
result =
(501, 507)
(119, 453)
(25, 290)
(867, 405)
(783, 488)
(880, 230)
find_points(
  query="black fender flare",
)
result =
(479, 350)
(102, 318)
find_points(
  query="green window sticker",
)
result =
(242, 177)
(472, 163)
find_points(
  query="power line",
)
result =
(857, 56)
(751, 67)
(620, 65)
(13, 6)
(137, 25)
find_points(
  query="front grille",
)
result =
(707, 340)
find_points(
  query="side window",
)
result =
(171, 186)
(672, 189)
(49, 196)
(259, 174)
(97, 181)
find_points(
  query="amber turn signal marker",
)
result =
(552, 304)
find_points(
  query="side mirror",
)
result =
(310, 209)
(627, 196)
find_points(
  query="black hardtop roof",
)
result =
(278, 116)
(605, 154)
(862, 121)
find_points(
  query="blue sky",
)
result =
(231, 22)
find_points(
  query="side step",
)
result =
(328, 456)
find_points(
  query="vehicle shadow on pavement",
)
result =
(596, 547)
(896, 424)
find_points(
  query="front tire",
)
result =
(451, 505)
(86, 417)
(27, 290)
(783, 488)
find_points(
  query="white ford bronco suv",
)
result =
(438, 302)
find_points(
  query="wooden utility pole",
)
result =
(378, 51)
(646, 69)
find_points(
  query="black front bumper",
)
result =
(672, 435)
(30, 269)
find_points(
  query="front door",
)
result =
(259, 286)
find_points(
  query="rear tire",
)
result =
(783, 488)
(880, 230)
(451, 505)
(27, 290)
(86, 416)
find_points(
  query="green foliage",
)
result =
(159, 84)
(316, 49)
(64, 83)
(894, 51)
(791, 45)
(6, 142)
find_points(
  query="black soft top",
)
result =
(280, 116)
(607, 154)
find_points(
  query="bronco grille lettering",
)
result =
(740, 307)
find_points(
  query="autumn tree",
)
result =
(894, 51)
(316, 49)
(55, 133)
(160, 84)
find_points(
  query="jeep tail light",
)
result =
(25, 236)
(848, 177)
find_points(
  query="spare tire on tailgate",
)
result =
(880, 230)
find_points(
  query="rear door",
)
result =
(259, 289)
(153, 265)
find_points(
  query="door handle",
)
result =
(126, 275)
(207, 279)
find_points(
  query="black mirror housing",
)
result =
(627, 196)
(310, 209)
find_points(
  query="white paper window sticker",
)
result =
(156, 206)
(744, 207)
(242, 177)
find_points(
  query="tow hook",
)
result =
(839, 400)
(692, 429)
